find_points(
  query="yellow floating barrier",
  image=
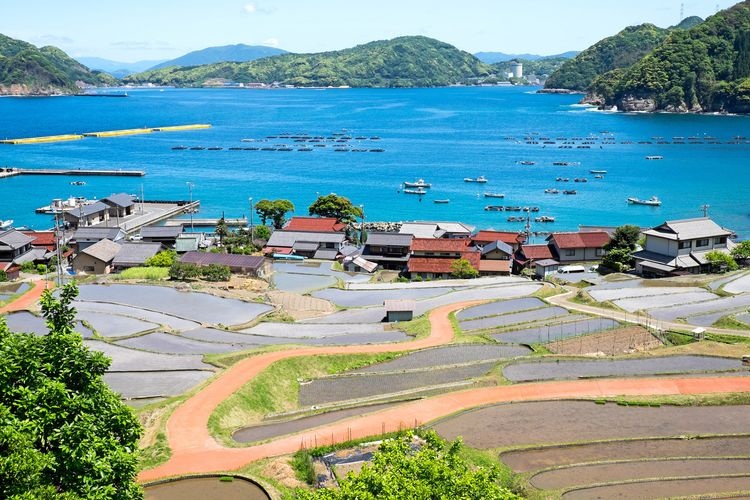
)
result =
(176, 128)
(46, 138)
(118, 133)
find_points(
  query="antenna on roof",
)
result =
(705, 208)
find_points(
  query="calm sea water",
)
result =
(440, 135)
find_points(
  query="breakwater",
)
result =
(12, 172)
(105, 133)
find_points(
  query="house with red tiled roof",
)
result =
(315, 224)
(578, 246)
(511, 238)
(43, 239)
(528, 255)
(432, 258)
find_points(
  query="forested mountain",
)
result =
(705, 68)
(226, 53)
(411, 61)
(500, 57)
(543, 66)
(117, 69)
(28, 70)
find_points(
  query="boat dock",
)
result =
(12, 172)
(105, 133)
(236, 222)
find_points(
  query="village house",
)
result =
(680, 246)
(316, 245)
(84, 237)
(495, 259)
(432, 258)
(315, 224)
(528, 255)
(135, 254)
(120, 205)
(15, 250)
(388, 250)
(427, 229)
(86, 215)
(482, 238)
(166, 235)
(578, 246)
(97, 258)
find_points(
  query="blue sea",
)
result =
(441, 135)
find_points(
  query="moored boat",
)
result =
(544, 218)
(5, 224)
(653, 201)
(419, 183)
(442, 201)
(494, 195)
(552, 191)
(597, 171)
(494, 208)
(570, 191)
(419, 191)
(481, 179)
(654, 157)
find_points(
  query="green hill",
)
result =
(705, 68)
(412, 61)
(28, 70)
(233, 53)
(619, 51)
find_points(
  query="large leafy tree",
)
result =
(434, 471)
(274, 210)
(462, 269)
(625, 237)
(63, 432)
(332, 205)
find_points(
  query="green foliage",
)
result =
(332, 205)
(222, 230)
(216, 272)
(436, 470)
(262, 232)
(274, 210)
(619, 51)
(462, 269)
(624, 237)
(721, 261)
(740, 252)
(28, 267)
(63, 432)
(411, 61)
(3, 276)
(143, 273)
(543, 66)
(164, 258)
(183, 271)
(618, 259)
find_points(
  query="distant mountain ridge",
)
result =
(28, 70)
(226, 53)
(117, 69)
(409, 61)
(499, 57)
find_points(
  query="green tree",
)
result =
(721, 261)
(3, 276)
(434, 471)
(624, 237)
(165, 258)
(617, 260)
(462, 269)
(182, 271)
(742, 251)
(216, 272)
(332, 205)
(222, 230)
(262, 233)
(63, 432)
(274, 210)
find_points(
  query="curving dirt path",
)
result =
(195, 451)
(28, 299)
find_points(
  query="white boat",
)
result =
(654, 157)
(419, 191)
(598, 171)
(494, 195)
(479, 179)
(442, 201)
(5, 224)
(653, 201)
(420, 183)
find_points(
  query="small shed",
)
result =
(545, 267)
(399, 310)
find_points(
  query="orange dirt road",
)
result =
(195, 451)
(29, 298)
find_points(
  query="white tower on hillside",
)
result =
(517, 69)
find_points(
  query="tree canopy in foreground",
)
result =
(435, 471)
(332, 205)
(63, 432)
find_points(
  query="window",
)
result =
(703, 242)
(88, 269)
(720, 240)
(570, 253)
(599, 252)
(684, 244)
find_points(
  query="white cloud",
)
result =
(250, 8)
(270, 42)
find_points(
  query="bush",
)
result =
(462, 268)
(216, 272)
(181, 272)
(721, 261)
(28, 267)
(3, 276)
(617, 259)
(262, 232)
(162, 259)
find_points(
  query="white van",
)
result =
(571, 269)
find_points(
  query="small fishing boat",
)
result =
(419, 191)
(526, 162)
(493, 208)
(442, 201)
(654, 157)
(552, 191)
(78, 183)
(598, 176)
(544, 218)
(581, 179)
(179, 148)
(597, 171)
(5, 224)
(419, 183)
(653, 201)
(570, 191)
(494, 195)
(481, 179)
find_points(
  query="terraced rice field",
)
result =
(166, 343)
(526, 371)
(276, 429)
(130, 360)
(7, 290)
(157, 384)
(693, 311)
(544, 313)
(500, 307)
(624, 340)
(744, 317)
(108, 325)
(656, 301)
(556, 422)
(446, 356)
(305, 330)
(364, 298)
(205, 488)
(604, 293)
(636, 449)
(358, 386)
(172, 322)
(555, 331)
(24, 321)
(663, 489)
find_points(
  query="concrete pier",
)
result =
(11, 172)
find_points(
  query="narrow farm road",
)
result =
(29, 298)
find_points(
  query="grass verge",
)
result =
(276, 389)
(733, 398)
(418, 327)
(142, 273)
(730, 323)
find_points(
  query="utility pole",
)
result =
(250, 200)
(705, 208)
(190, 189)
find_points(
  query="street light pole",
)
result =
(251, 219)
(190, 189)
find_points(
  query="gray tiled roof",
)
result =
(86, 210)
(161, 231)
(104, 250)
(688, 229)
(326, 254)
(136, 253)
(281, 238)
(123, 200)
(390, 239)
(497, 245)
(13, 239)
(98, 233)
(231, 260)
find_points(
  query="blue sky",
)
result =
(162, 29)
